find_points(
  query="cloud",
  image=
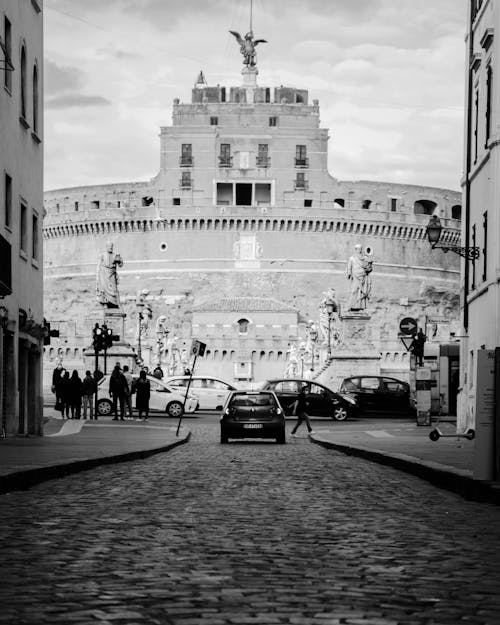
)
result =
(60, 78)
(72, 100)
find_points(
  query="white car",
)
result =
(211, 392)
(163, 398)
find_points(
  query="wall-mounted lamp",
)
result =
(433, 231)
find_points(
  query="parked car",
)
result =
(380, 395)
(163, 398)
(252, 414)
(211, 392)
(321, 400)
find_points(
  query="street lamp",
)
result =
(434, 230)
(330, 308)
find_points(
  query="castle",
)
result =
(244, 212)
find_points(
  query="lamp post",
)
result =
(330, 308)
(313, 334)
(434, 229)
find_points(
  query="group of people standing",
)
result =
(74, 393)
(75, 396)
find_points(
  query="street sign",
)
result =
(198, 348)
(408, 325)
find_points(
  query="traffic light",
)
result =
(107, 336)
(98, 338)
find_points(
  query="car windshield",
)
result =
(252, 399)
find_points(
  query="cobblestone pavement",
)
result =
(247, 533)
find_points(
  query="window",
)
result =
(35, 99)
(273, 121)
(476, 123)
(456, 211)
(485, 244)
(424, 207)
(301, 156)
(23, 82)
(186, 155)
(76, 206)
(7, 38)
(8, 200)
(308, 203)
(489, 85)
(263, 155)
(147, 200)
(225, 155)
(393, 204)
(186, 180)
(340, 201)
(23, 228)
(370, 383)
(176, 201)
(95, 204)
(214, 121)
(34, 240)
(243, 326)
(300, 180)
(366, 204)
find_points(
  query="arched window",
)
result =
(243, 326)
(424, 207)
(35, 99)
(23, 82)
(456, 211)
(340, 201)
(366, 203)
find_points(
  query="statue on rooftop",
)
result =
(247, 47)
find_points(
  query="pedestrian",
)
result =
(128, 397)
(118, 389)
(57, 376)
(417, 347)
(300, 411)
(65, 392)
(89, 387)
(75, 394)
(143, 391)
(158, 372)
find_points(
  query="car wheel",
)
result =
(104, 407)
(223, 438)
(175, 409)
(281, 438)
(340, 413)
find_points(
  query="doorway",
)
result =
(243, 194)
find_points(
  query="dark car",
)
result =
(252, 414)
(380, 395)
(321, 401)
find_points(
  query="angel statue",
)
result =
(247, 47)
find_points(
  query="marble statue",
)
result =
(107, 278)
(328, 321)
(292, 364)
(247, 47)
(359, 267)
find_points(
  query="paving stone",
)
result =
(246, 533)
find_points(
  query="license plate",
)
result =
(252, 426)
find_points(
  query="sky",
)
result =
(388, 74)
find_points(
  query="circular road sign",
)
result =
(408, 325)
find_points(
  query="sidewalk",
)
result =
(71, 446)
(447, 463)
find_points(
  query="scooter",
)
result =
(436, 434)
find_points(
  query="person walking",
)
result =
(75, 395)
(128, 397)
(89, 387)
(300, 411)
(57, 376)
(143, 391)
(118, 389)
(65, 393)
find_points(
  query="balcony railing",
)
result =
(263, 161)
(301, 184)
(186, 161)
(225, 161)
(301, 162)
(185, 183)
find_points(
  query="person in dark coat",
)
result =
(89, 388)
(118, 389)
(143, 391)
(64, 394)
(300, 411)
(57, 376)
(75, 395)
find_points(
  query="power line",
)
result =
(74, 17)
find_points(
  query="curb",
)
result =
(22, 480)
(440, 475)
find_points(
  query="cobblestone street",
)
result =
(247, 533)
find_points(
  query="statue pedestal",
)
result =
(356, 353)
